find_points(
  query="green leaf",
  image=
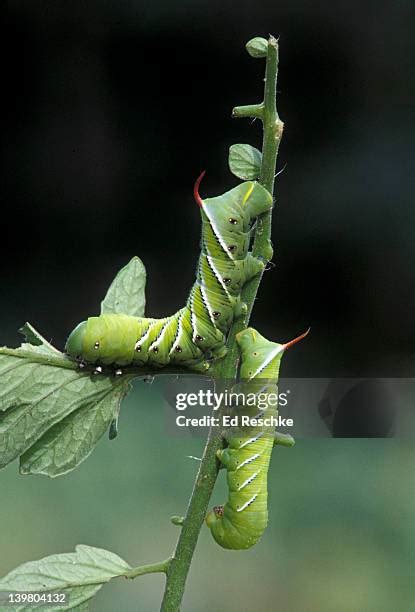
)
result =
(126, 294)
(257, 47)
(80, 575)
(31, 335)
(50, 412)
(63, 447)
(245, 161)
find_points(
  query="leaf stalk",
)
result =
(151, 568)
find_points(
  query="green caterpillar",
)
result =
(240, 523)
(195, 335)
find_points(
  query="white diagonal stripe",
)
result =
(253, 498)
(248, 480)
(238, 467)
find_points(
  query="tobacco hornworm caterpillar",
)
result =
(196, 334)
(240, 523)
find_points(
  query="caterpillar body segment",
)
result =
(241, 521)
(195, 335)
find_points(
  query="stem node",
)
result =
(250, 110)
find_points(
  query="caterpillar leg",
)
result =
(241, 309)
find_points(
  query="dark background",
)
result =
(111, 109)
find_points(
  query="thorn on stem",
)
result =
(280, 171)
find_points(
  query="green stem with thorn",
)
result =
(179, 566)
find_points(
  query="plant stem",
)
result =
(251, 110)
(180, 563)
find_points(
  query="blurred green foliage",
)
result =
(341, 534)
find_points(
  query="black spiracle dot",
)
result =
(254, 354)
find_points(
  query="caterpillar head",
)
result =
(75, 342)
